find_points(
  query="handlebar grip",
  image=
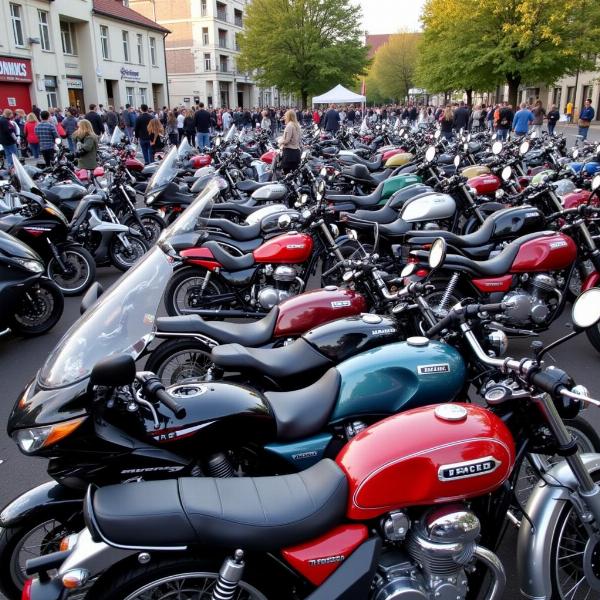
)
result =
(447, 320)
(489, 308)
(164, 398)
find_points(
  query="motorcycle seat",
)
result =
(304, 412)
(249, 185)
(370, 200)
(254, 513)
(374, 165)
(242, 233)
(244, 210)
(396, 230)
(286, 361)
(477, 238)
(228, 261)
(383, 215)
(253, 333)
(381, 175)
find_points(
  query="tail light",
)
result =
(26, 593)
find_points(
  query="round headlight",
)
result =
(150, 199)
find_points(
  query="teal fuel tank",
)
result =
(393, 184)
(399, 377)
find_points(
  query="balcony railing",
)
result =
(223, 44)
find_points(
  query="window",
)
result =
(129, 95)
(223, 64)
(125, 45)
(221, 11)
(153, 51)
(557, 96)
(143, 95)
(44, 31)
(205, 39)
(68, 37)
(17, 24)
(237, 42)
(51, 91)
(222, 38)
(238, 18)
(207, 62)
(203, 8)
(140, 48)
(104, 41)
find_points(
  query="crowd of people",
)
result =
(34, 134)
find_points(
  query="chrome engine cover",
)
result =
(269, 297)
(285, 273)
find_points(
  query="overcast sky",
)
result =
(388, 16)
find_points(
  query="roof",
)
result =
(376, 41)
(117, 10)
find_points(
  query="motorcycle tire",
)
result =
(49, 301)
(77, 260)
(12, 540)
(123, 259)
(185, 279)
(153, 225)
(175, 360)
(132, 581)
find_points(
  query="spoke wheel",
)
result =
(124, 258)
(188, 291)
(185, 364)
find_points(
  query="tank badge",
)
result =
(451, 412)
(294, 246)
(559, 244)
(433, 369)
(471, 468)
(340, 303)
(317, 562)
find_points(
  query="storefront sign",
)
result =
(129, 74)
(74, 83)
(15, 69)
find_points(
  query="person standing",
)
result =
(172, 129)
(505, 121)
(538, 118)
(586, 116)
(461, 117)
(142, 134)
(202, 125)
(8, 136)
(553, 117)
(265, 124)
(86, 149)
(522, 120)
(95, 119)
(447, 123)
(111, 119)
(33, 142)
(227, 120)
(569, 111)
(331, 120)
(290, 143)
(189, 127)
(180, 120)
(156, 131)
(129, 121)
(46, 133)
(70, 125)
(476, 119)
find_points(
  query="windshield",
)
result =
(122, 320)
(230, 133)
(26, 184)
(185, 149)
(165, 173)
(117, 137)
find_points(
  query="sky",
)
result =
(388, 16)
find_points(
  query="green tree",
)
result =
(303, 46)
(477, 44)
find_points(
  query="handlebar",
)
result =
(153, 388)
(461, 312)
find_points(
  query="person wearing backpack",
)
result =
(505, 121)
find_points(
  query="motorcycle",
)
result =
(412, 506)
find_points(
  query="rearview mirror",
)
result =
(57, 141)
(575, 153)
(304, 155)
(321, 188)
(437, 134)
(430, 154)
(351, 233)
(596, 183)
(457, 161)
(94, 292)
(586, 309)
(437, 253)
(218, 141)
(284, 221)
(497, 147)
(524, 148)
(408, 269)
(506, 173)
(323, 172)
(114, 371)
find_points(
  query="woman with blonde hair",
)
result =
(33, 142)
(289, 142)
(86, 145)
(447, 123)
(156, 131)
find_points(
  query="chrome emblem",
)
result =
(466, 470)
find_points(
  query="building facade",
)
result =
(76, 52)
(202, 50)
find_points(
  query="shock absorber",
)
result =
(443, 306)
(229, 576)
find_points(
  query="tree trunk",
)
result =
(513, 89)
(469, 98)
(304, 94)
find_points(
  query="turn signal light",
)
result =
(75, 578)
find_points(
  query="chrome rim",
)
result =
(77, 275)
(188, 294)
(36, 308)
(153, 229)
(190, 586)
(42, 539)
(184, 364)
(129, 257)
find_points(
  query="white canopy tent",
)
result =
(339, 94)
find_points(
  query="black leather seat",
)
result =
(254, 333)
(396, 231)
(243, 210)
(374, 165)
(478, 238)
(370, 200)
(253, 513)
(304, 412)
(228, 261)
(287, 361)
(381, 175)
(237, 232)
(383, 215)
(248, 185)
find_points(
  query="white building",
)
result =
(72, 53)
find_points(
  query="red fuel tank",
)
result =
(425, 456)
(550, 252)
(389, 153)
(133, 164)
(485, 184)
(269, 157)
(200, 160)
(303, 312)
(287, 248)
(575, 199)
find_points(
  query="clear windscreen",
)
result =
(185, 149)
(26, 184)
(117, 137)
(165, 173)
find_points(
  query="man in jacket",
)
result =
(112, 119)
(95, 119)
(522, 120)
(461, 117)
(505, 119)
(8, 136)
(202, 125)
(142, 133)
(586, 116)
(46, 133)
(331, 120)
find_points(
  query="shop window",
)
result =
(17, 24)
(125, 35)
(104, 41)
(153, 51)
(44, 29)
(140, 48)
(68, 37)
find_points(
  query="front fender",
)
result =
(46, 496)
(535, 542)
(142, 212)
(591, 281)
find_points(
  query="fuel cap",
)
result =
(451, 412)
(330, 288)
(371, 319)
(417, 340)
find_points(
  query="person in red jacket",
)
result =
(33, 142)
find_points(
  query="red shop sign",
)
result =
(15, 69)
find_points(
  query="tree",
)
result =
(477, 44)
(303, 46)
(393, 70)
